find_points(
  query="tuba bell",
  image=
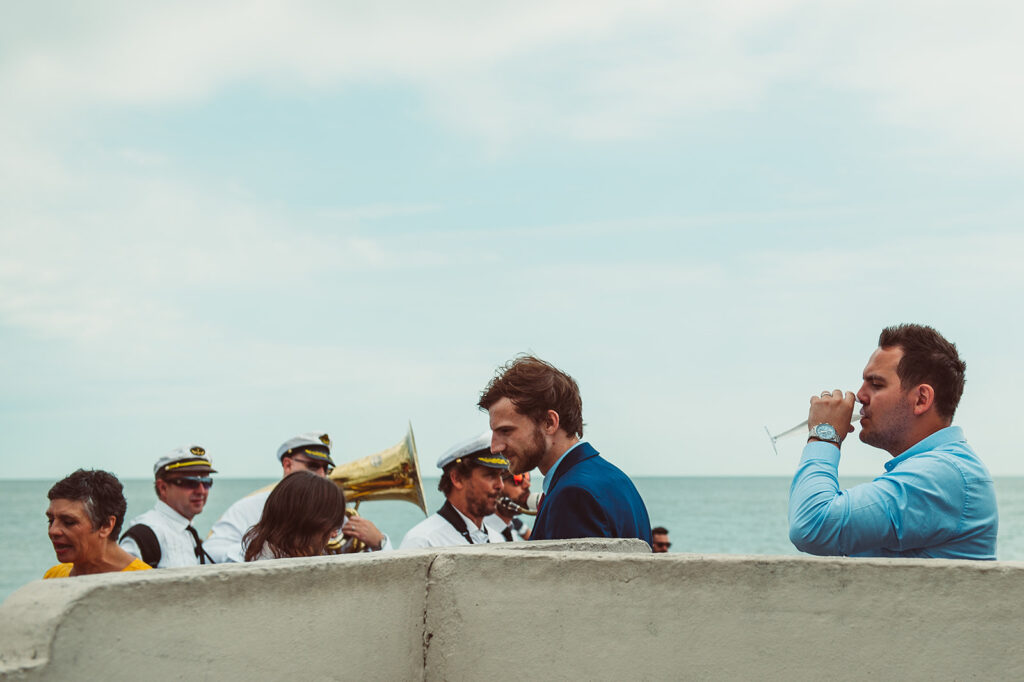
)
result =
(391, 474)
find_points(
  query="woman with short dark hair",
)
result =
(84, 518)
(301, 515)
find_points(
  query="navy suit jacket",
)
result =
(588, 497)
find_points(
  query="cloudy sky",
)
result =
(228, 223)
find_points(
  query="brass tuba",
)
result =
(391, 474)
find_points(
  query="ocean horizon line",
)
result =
(436, 478)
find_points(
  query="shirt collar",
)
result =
(469, 522)
(950, 434)
(550, 475)
(173, 515)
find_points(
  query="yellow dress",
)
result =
(64, 570)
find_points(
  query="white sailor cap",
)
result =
(477, 449)
(313, 444)
(188, 458)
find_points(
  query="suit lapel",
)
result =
(579, 453)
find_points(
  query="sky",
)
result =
(229, 223)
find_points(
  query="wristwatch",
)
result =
(825, 432)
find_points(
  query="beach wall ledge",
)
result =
(555, 610)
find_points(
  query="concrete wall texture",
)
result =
(547, 610)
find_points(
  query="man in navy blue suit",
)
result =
(536, 417)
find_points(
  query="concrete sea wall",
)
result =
(552, 610)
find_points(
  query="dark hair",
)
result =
(161, 476)
(928, 358)
(534, 387)
(100, 492)
(659, 530)
(298, 517)
(465, 469)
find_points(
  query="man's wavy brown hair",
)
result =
(534, 387)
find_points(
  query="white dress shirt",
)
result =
(435, 531)
(225, 541)
(177, 545)
(498, 525)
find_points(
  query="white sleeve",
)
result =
(129, 545)
(415, 538)
(224, 545)
(413, 542)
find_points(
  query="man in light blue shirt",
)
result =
(936, 498)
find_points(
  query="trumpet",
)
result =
(508, 506)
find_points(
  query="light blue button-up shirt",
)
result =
(550, 475)
(935, 500)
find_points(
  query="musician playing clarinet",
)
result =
(471, 483)
(515, 495)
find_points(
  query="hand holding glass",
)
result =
(855, 417)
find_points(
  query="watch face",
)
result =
(825, 431)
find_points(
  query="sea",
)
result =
(728, 515)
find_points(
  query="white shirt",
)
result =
(265, 553)
(177, 546)
(435, 531)
(225, 541)
(498, 525)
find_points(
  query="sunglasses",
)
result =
(517, 479)
(192, 482)
(666, 545)
(314, 465)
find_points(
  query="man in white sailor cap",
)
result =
(309, 451)
(163, 537)
(471, 483)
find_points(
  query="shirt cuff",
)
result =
(822, 451)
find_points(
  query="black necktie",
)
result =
(200, 552)
(507, 533)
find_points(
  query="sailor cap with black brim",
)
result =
(477, 450)
(314, 444)
(189, 459)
